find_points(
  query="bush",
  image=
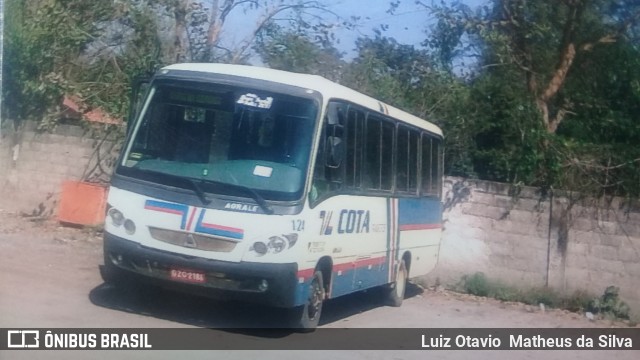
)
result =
(476, 284)
(608, 304)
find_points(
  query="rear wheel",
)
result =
(307, 316)
(396, 290)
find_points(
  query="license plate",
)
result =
(185, 275)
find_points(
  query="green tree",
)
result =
(38, 58)
(80, 48)
(92, 50)
(555, 81)
(290, 50)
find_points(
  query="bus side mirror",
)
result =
(139, 89)
(335, 152)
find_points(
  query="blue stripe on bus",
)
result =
(171, 208)
(423, 212)
(219, 230)
(345, 284)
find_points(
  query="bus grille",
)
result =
(192, 240)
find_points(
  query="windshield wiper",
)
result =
(198, 190)
(258, 199)
(191, 182)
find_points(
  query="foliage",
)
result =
(609, 304)
(109, 64)
(77, 48)
(93, 50)
(554, 90)
(38, 60)
(296, 51)
(198, 27)
(476, 284)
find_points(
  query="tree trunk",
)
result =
(181, 43)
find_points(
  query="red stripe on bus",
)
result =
(308, 273)
(359, 264)
(305, 274)
(191, 219)
(224, 228)
(408, 227)
(170, 211)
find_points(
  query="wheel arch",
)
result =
(406, 256)
(325, 266)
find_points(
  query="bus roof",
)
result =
(327, 88)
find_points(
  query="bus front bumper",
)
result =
(268, 284)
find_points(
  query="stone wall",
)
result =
(527, 239)
(34, 164)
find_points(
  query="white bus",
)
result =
(262, 185)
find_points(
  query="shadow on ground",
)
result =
(233, 316)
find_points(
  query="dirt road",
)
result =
(49, 278)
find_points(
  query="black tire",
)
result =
(110, 274)
(306, 317)
(124, 283)
(396, 290)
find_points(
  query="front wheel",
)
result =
(396, 290)
(307, 316)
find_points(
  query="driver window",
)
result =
(329, 167)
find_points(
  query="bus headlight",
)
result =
(291, 239)
(275, 245)
(129, 227)
(117, 217)
(260, 248)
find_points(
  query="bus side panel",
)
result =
(352, 231)
(420, 228)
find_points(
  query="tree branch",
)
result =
(269, 16)
(613, 37)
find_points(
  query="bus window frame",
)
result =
(361, 190)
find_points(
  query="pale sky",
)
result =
(407, 26)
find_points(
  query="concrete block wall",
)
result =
(34, 164)
(528, 239)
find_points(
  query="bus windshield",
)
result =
(224, 140)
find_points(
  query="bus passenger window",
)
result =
(355, 146)
(431, 165)
(378, 163)
(372, 163)
(436, 167)
(386, 152)
(407, 160)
